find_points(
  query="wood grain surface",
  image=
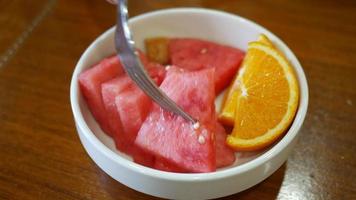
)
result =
(41, 156)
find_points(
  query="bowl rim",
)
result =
(130, 165)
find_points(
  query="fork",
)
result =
(134, 67)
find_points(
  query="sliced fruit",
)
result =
(126, 102)
(174, 139)
(267, 98)
(265, 40)
(109, 91)
(164, 165)
(143, 57)
(225, 156)
(227, 113)
(195, 54)
(90, 84)
(142, 156)
(127, 107)
(133, 106)
(157, 50)
(156, 72)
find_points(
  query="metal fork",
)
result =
(133, 66)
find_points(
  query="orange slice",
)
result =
(266, 98)
(227, 113)
(265, 40)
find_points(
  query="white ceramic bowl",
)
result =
(211, 25)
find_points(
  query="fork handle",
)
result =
(134, 68)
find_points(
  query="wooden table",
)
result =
(41, 156)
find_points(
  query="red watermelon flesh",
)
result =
(113, 87)
(164, 165)
(109, 91)
(157, 72)
(224, 155)
(141, 156)
(133, 106)
(90, 84)
(174, 139)
(143, 57)
(195, 54)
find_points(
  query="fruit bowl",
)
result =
(247, 171)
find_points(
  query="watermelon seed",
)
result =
(201, 139)
(203, 51)
(196, 125)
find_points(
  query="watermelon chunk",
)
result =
(224, 155)
(164, 165)
(142, 157)
(174, 139)
(114, 87)
(133, 106)
(123, 86)
(90, 84)
(156, 72)
(143, 58)
(195, 54)
(127, 104)
(109, 91)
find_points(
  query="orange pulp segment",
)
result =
(267, 98)
(227, 113)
